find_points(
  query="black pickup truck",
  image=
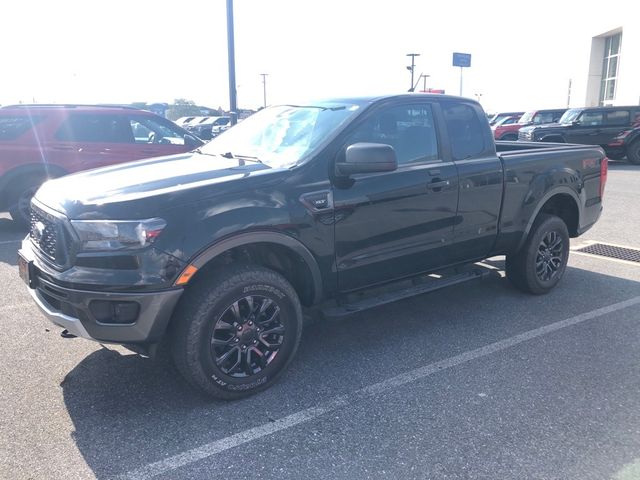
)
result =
(215, 253)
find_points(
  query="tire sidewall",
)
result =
(16, 193)
(289, 317)
(549, 224)
(633, 152)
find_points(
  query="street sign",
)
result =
(461, 59)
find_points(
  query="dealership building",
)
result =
(610, 71)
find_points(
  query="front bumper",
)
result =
(75, 309)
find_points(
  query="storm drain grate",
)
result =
(611, 251)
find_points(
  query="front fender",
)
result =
(276, 238)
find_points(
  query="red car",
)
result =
(534, 117)
(38, 142)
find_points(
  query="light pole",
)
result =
(424, 82)
(233, 100)
(412, 68)
(264, 89)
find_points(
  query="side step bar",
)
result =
(427, 284)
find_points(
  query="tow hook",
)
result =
(65, 334)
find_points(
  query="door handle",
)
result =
(64, 148)
(437, 184)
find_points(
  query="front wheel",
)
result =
(540, 264)
(236, 331)
(20, 200)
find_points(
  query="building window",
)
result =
(610, 65)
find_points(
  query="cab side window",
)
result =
(409, 129)
(591, 119)
(150, 130)
(95, 128)
(545, 117)
(465, 130)
(617, 117)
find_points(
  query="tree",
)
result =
(182, 107)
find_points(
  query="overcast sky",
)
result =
(523, 53)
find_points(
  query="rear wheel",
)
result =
(633, 152)
(236, 331)
(542, 261)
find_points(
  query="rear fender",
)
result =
(559, 190)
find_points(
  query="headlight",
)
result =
(117, 234)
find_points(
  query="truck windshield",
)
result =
(569, 116)
(527, 118)
(281, 136)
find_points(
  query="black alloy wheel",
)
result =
(540, 263)
(550, 256)
(235, 330)
(247, 336)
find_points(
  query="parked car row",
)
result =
(509, 126)
(205, 128)
(615, 129)
(38, 142)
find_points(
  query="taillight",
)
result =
(604, 169)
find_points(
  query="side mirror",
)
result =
(368, 158)
(191, 141)
(575, 122)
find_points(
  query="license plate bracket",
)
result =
(26, 271)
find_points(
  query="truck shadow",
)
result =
(10, 236)
(129, 411)
(623, 166)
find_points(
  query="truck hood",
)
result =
(145, 186)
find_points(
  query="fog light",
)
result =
(105, 311)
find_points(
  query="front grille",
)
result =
(44, 232)
(612, 251)
(50, 236)
(523, 136)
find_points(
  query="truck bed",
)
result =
(531, 169)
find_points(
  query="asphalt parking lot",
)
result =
(476, 381)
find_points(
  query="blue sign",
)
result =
(461, 59)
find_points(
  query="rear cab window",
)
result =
(466, 132)
(14, 126)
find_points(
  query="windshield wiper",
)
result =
(241, 157)
(198, 150)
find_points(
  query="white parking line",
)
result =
(196, 454)
(8, 242)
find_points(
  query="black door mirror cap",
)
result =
(368, 158)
